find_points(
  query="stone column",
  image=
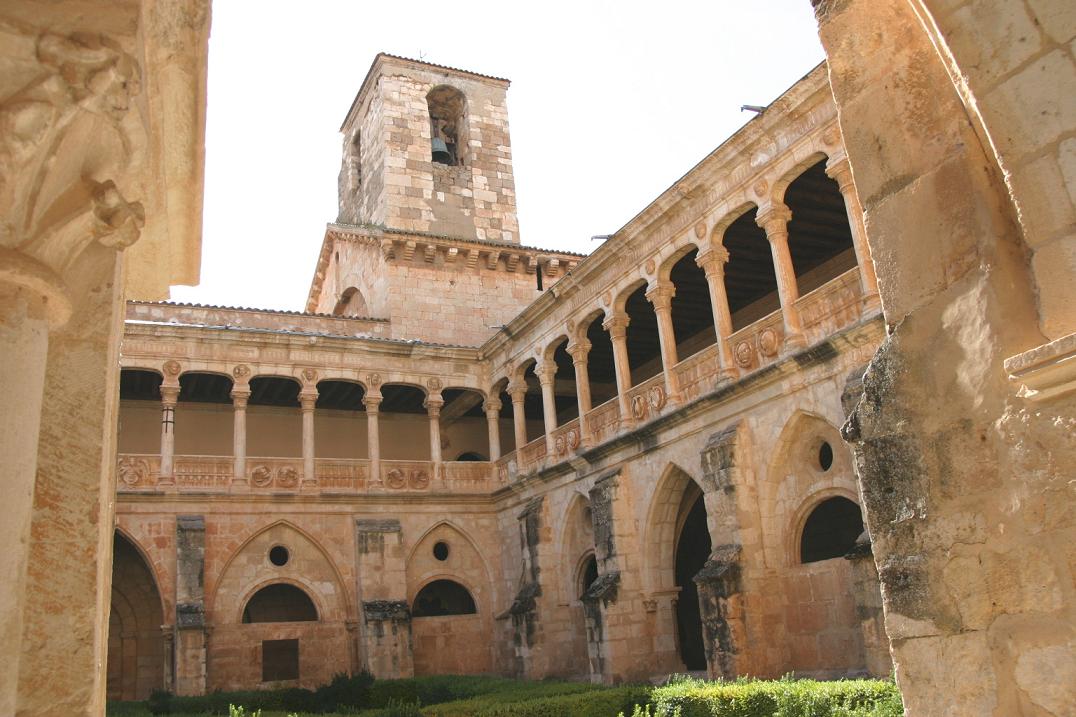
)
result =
(433, 404)
(492, 407)
(712, 261)
(240, 395)
(169, 398)
(579, 351)
(372, 402)
(660, 297)
(24, 338)
(308, 397)
(617, 326)
(841, 171)
(774, 220)
(518, 391)
(547, 375)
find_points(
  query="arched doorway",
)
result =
(135, 662)
(692, 551)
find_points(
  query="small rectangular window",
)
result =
(280, 660)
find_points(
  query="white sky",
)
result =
(610, 103)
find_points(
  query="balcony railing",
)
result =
(602, 422)
(832, 306)
(138, 473)
(567, 439)
(648, 400)
(696, 374)
(532, 454)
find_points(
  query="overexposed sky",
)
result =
(610, 103)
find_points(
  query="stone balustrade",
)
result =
(696, 374)
(602, 422)
(138, 473)
(648, 399)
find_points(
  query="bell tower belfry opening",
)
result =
(426, 149)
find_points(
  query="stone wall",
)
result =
(101, 164)
(955, 118)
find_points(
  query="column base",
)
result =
(794, 342)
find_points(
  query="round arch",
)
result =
(298, 584)
(437, 580)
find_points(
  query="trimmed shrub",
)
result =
(781, 698)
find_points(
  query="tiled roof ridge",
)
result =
(252, 308)
(507, 246)
(289, 332)
(443, 67)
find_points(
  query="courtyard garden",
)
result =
(482, 696)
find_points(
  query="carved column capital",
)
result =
(712, 261)
(169, 395)
(774, 220)
(308, 397)
(491, 405)
(433, 404)
(546, 372)
(841, 171)
(372, 401)
(579, 350)
(617, 325)
(517, 389)
(240, 395)
(661, 295)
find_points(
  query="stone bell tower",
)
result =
(426, 150)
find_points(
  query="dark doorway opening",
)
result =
(692, 552)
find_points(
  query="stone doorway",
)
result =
(136, 661)
(692, 551)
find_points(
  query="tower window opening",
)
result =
(447, 107)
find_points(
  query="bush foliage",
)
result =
(474, 696)
(687, 697)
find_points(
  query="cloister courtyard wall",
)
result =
(810, 410)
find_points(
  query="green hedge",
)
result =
(548, 700)
(480, 696)
(776, 698)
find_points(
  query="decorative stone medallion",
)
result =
(745, 355)
(768, 342)
(261, 476)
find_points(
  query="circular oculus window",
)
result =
(279, 555)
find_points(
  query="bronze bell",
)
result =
(440, 151)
